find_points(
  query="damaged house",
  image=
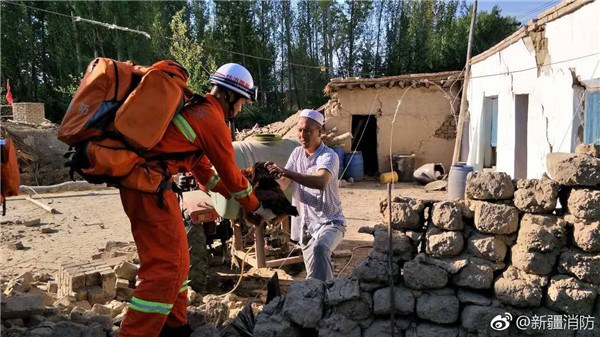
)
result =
(536, 92)
(425, 123)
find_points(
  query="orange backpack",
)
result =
(9, 172)
(120, 110)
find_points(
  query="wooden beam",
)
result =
(44, 206)
(285, 261)
(259, 246)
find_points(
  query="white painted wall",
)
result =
(553, 101)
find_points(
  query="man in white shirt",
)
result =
(312, 169)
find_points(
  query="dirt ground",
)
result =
(89, 219)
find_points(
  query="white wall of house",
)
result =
(554, 107)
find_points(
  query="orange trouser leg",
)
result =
(162, 246)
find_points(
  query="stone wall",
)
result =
(459, 267)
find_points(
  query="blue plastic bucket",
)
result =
(355, 166)
(340, 153)
(457, 180)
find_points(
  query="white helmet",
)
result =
(235, 78)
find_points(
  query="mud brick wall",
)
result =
(525, 247)
(29, 112)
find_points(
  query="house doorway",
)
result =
(490, 131)
(364, 133)
(521, 117)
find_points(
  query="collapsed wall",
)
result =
(40, 153)
(505, 256)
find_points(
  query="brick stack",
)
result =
(32, 113)
(91, 281)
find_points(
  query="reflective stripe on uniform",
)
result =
(184, 287)
(184, 127)
(244, 193)
(150, 307)
(213, 181)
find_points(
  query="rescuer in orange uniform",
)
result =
(202, 139)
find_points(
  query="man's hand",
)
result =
(275, 171)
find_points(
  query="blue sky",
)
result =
(524, 10)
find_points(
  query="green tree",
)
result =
(190, 54)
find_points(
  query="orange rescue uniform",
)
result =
(159, 233)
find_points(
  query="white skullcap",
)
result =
(314, 115)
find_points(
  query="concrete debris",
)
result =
(15, 245)
(22, 306)
(31, 222)
(126, 270)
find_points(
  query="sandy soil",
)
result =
(90, 219)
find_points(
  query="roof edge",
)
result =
(556, 12)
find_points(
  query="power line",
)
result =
(114, 26)
(80, 19)
(538, 9)
(531, 68)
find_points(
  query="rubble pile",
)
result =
(282, 128)
(91, 298)
(461, 267)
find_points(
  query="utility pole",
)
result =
(462, 117)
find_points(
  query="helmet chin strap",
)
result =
(231, 115)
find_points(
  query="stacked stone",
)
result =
(540, 237)
(574, 289)
(458, 265)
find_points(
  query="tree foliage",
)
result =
(291, 48)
